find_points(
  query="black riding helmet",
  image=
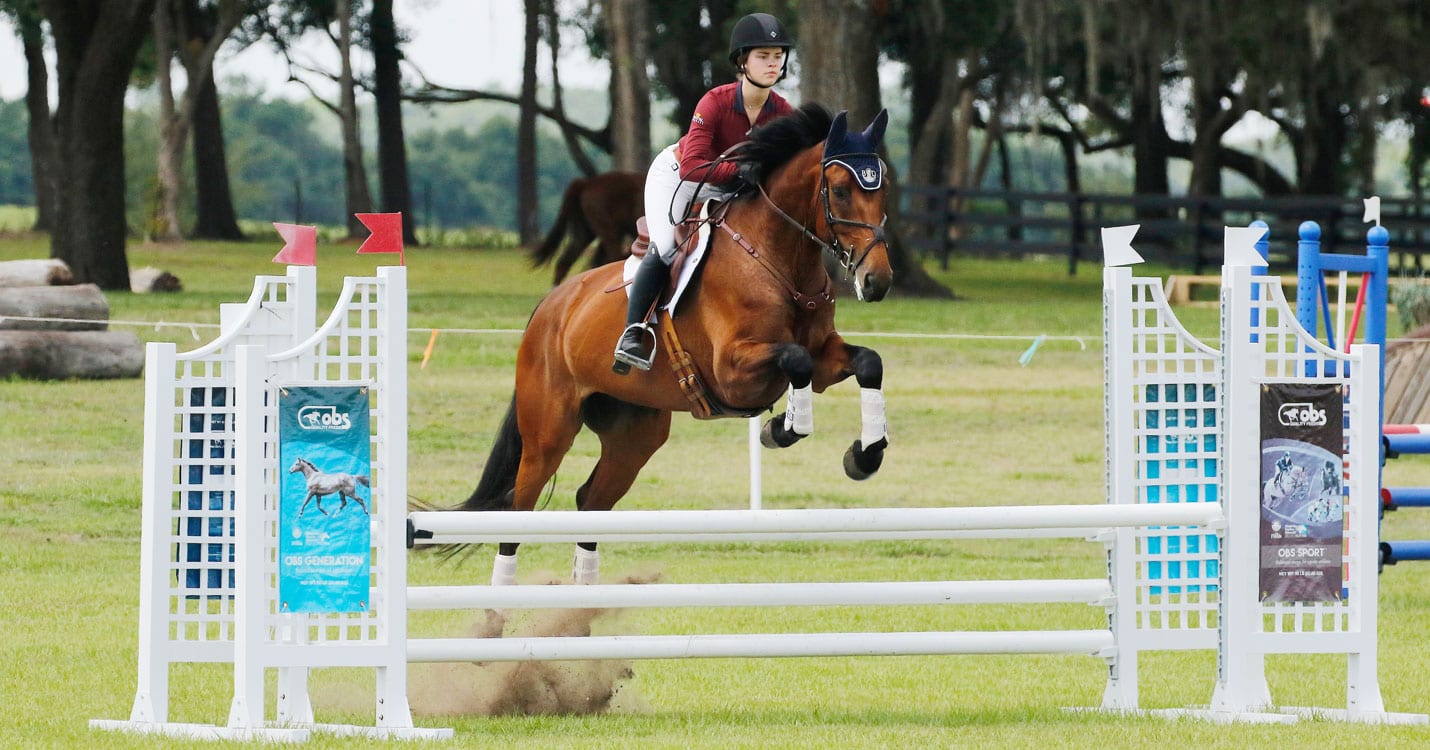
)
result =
(758, 30)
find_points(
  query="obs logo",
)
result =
(323, 418)
(1301, 415)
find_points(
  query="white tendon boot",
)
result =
(871, 407)
(503, 574)
(586, 567)
(799, 411)
(504, 570)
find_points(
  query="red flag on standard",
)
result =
(300, 245)
(386, 234)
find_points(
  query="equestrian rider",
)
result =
(759, 50)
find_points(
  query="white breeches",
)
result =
(666, 196)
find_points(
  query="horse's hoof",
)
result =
(774, 434)
(861, 463)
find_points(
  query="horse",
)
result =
(604, 208)
(760, 324)
(320, 485)
(1291, 485)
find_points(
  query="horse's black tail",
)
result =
(494, 489)
(570, 211)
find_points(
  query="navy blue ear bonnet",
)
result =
(858, 152)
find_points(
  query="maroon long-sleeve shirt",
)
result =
(720, 122)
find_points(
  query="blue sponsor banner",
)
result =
(324, 527)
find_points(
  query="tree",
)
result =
(213, 203)
(171, 23)
(396, 188)
(528, 229)
(95, 48)
(839, 54)
(630, 87)
(359, 197)
(26, 16)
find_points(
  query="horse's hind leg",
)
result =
(629, 436)
(549, 429)
(357, 500)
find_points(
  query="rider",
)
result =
(1283, 468)
(759, 50)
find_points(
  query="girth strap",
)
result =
(702, 404)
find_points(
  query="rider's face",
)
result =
(763, 65)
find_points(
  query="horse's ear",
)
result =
(875, 131)
(837, 131)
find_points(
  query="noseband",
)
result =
(842, 255)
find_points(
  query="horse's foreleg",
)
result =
(797, 421)
(867, 453)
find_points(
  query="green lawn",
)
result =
(968, 425)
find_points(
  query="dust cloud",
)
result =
(528, 688)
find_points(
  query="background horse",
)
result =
(759, 323)
(321, 485)
(602, 208)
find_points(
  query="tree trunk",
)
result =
(1149, 132)
(839, 50)
(630, 87)
(95, 48)
(527, 219)
(359, 199)
(216, 219)
(41, 128)
(176, 31)
(172, 131)
(391, 143)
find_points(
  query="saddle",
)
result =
(689, 239)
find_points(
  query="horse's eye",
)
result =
(841, 193)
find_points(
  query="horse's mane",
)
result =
(779, 140)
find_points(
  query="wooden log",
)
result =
(36, 272)
(60, 355)
(82, 302)
(149, 279)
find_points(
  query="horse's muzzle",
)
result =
(871, 286)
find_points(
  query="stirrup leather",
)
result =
(633, 358)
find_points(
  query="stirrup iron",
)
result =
(626, 360)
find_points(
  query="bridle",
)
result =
(841, 254)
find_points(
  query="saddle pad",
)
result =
(687, 269)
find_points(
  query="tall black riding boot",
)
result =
(633, 350)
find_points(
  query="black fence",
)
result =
(1182, 232)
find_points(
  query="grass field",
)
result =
(968, 425)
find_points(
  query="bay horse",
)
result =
(601, 208)
(760, 323)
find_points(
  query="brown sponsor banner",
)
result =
(1302, 491)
